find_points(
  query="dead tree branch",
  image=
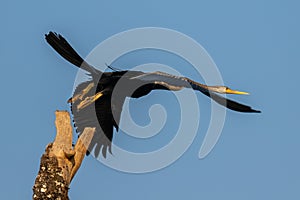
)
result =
(61, 161)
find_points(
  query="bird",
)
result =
(98, 103)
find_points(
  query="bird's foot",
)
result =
(88, 101)
(81, 95)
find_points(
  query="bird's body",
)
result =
(98, 102)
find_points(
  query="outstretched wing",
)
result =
(172, 82)
(232, 105)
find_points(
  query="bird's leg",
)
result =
(82, 93)
(89, 100)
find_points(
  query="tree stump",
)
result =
(61, 161)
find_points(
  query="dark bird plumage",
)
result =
(98, 102)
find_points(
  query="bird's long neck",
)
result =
(203, 87)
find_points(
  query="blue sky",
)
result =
(255, 45)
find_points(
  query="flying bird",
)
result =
(98, 102)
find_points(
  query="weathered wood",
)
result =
(61, 161)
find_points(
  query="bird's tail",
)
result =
(61, 46)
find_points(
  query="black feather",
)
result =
(104, 114)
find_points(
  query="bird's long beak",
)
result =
(230, 91)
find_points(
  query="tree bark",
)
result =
(61, 161)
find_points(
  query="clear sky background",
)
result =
(255, 45)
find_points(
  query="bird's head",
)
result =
(225, 90)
